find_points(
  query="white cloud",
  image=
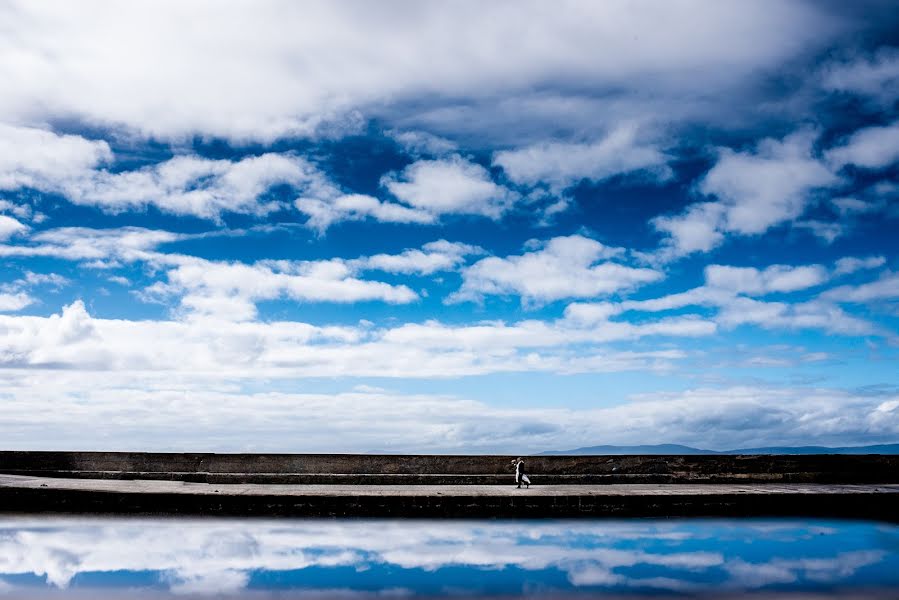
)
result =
(852, 206)
(292, 68)
(875, 76)
(565, 267)
(768, 186)
(698, 229)
(851, 264)
(418, 143)
(885, 288)
(449, 186)
(12, 302)
(354, 207)
(84, 243)
(10, 227)
(126, 411)
(814, 314)
(230, 290)
(727, 288)
(433, 257)
(18, 210)
(776, 278)
(870, 148)
(192, 185)
(756, 190)
(221, 346)
(183, 185)
(39, 159)
(563, 164)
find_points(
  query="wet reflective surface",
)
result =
(287, 558)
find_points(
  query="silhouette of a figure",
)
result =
(520, 476)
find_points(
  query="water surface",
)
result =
(287, 558)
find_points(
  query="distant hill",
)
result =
(678, 449)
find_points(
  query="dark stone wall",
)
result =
(439, 469)
(869, 506)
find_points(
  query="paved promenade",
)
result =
(29, 494)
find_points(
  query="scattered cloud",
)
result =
(40, 159)
(12, 302)
(852, 264)
(219, 341)
(422, 143)
(884, 288)
(230, 290)
(433, 257)
(10, 227)
(191, 185)
(563, 267)
(756, 190)
(875, 76)
(355, 207)
(560, 165)
(869, 148)
(89, 244)
(776, 278)
(449, 186)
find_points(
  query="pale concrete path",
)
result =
(254, 489)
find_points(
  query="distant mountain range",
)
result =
(678, 449)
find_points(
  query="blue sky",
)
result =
(416, 227)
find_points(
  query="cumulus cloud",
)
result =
(564, 267)
(801, 315)
(426, 190)
(561, 165)
(425, 58)
(231, 290)
(449, 186)
(422, 143)
(12, 302)
(220, 344)
(770, 185)
(73, 166)
(192, 185)
(852, 264)
(884, 288)
(874, 76)
(433, 257)
(698, 229)
(756, 190)
(355, 207)
(869, 148)
(776, 278)
(40, 159)
(731, 291)
(97, 245)
(10, 227)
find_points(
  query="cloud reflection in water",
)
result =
(199, 557)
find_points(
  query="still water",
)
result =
(105, 558)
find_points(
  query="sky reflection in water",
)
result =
(53, 556)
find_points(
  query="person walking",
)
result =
(520, 476)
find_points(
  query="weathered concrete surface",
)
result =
(25, 494)
(430, 469)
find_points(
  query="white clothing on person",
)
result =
(520, 477)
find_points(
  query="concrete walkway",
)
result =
(21, 494)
